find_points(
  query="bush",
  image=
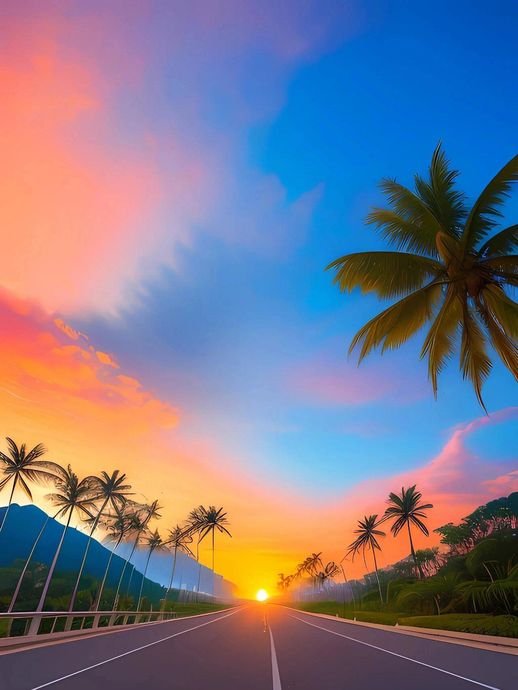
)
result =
(506, 626)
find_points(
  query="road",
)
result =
(257, 647)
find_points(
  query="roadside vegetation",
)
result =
(469, 583)
(103, 504)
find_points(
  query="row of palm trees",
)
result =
(405, 510)
(101, 502)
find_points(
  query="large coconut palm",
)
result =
(72, 495)
(21, 467)
(449, 269)
(178, 540)
(111, 492)
(406, 509)
(367, 538)
(153, 542)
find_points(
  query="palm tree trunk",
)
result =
(27, 562)
(126, 563)
(101, 589)
(172, 577)
(377, 575)
(143, 579)
(213, 552)
(412, 551)
(33, 629)
(9, 504)
(85, 555)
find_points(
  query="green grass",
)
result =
(193, 609)
(482, 624)
(334, 608)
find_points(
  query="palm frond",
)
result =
(486, 212)
(439, 194)
(403, 234)
(504, 242)
(474, 361)
(413, 209)
(440, 340)
(388, 274)
(396, 324)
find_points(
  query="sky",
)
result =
(174, 179)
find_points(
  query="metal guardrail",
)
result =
(24, 624)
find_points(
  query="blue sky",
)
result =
(226, 330)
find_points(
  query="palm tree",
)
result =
(110, 491)
(406, 509)
(118, 525)
(28, 560)
(329, 571)
(154, 541)
(178, 540)
(367, 539)
(448, 268)
(139, 524)
(212, 520)
(284, 582)
(72, 495)
(194, 522)
(21, 467)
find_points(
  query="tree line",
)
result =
(475, 569)
(102, 502)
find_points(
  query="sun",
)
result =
(262, 595)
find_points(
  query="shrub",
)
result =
(506, 626)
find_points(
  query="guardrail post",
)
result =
(35, 624)
(95, 622)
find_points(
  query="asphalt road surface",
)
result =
(258, 647)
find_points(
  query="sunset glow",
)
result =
(173, 183)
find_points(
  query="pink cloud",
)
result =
(329, 378)
(109, 160)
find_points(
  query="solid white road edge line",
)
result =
(276, 679)
(401, 656)
(131, 651)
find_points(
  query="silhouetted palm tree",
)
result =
(21, 467)
(178, 540)
(111, 491)
(28, 560)
(71, 495)
(328, 572)
(153, 542)
(118, 526)
(447, 268)
(212, 520)
(368, 533)
(139, 524)
(284, 581)
(406, 509)
(194, 522)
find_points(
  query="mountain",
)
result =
(24, 523)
